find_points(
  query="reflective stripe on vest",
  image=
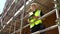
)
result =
(34, 21)
(32, 24)
(38, 22)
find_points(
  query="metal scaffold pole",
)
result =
(14, 25)
(10, 28)
(15, 9)
(2, 21)
(57, 15)
(14, 20)
(22, 16)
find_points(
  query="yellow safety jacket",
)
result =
(34, 21)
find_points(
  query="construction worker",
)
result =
(35, 23)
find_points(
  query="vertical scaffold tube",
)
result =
(57, 15)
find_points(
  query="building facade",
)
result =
(12, 22)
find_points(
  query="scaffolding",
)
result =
(22, 17)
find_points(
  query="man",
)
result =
(35, 23)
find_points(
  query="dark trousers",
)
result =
(37, 28)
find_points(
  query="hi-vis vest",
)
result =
(34, 21)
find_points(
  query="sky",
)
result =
(2, 3)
